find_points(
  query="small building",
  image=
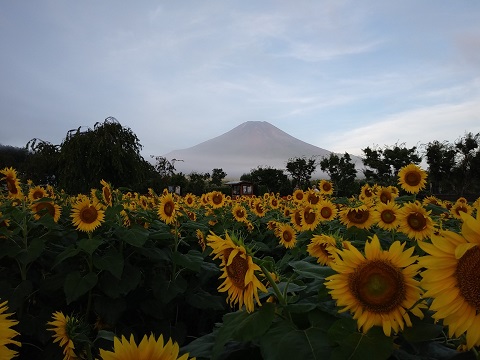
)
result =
(241, 188)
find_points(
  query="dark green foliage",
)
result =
(301, 170)
(270, 180)
(342, 173)
(110, 152)
(382, 165)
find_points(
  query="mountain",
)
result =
(245, 147)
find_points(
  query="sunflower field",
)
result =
(114, 274)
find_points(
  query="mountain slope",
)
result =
(245, 147)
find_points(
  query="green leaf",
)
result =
(202, 299)
(90, 245)
(110, 310)
(422, 331)
(65, 254)
(358, 346)
(104, 334)
(200, 347)
(111, 261)
(167, 290)
(20, 294)
(76, 285)
(309, 270)
(114, 287)
(193, 260)
(136, 236)
(284, 341)
(34, 250)
(244, 326)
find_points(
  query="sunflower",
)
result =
(7, 333)
(296, 219)
(106, 192)
(216, 199)
(325, 187)
(87, 215)
(298, 195)
(415, 221)
(313, 197)
(148, 349)
(367, 193)
(241, 283)
(386, 215)
(65, 329)
(201, 238)
(432, 200)
(167, 209)
(258, 208)
(326, 210)
(40, 208)
(384, 194)
(13, 184)
(310, 218)
(240, 213)
(360, 217)
(452, 278)
(286, 234)
(36, 193)
(412, 178)
(189, 200)
(273, 202)
(460, 207)
(378, 288)
(323, 247)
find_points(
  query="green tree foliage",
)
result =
(454, 168)
(440, 157)
(109, 151)
(342, 173)
(217, 177)
(42, 163)
(301, 170)
(382, 165)
(12, 156)
(197, 183)
(270, 179)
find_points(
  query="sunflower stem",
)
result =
(274, 286)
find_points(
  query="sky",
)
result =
(342, 75)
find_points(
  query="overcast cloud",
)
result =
(339, 74)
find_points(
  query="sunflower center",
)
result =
(89, 214)
(357, 216)
(11, 186)
(237, 270)
(326, 187)
(168, 208)
(413, 178)
(388, 216)
(378, 286)
(45, 206)
(287, 236)
(38, 194)
(385, 197)
(460, 209)
(298, 218)
(240, 213)
(326, 212)
(468, 276)
(217, 199)
(309, 216)
(416, 221)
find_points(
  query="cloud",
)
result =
(442, 122)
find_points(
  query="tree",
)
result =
(217, 177)
(468, 150)
(301, 170)
(197, 183)
(342, 173)
(273, 180)
(42, 162)
(109, 151)
(12, 156)
(440, 157)
(382, 165)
